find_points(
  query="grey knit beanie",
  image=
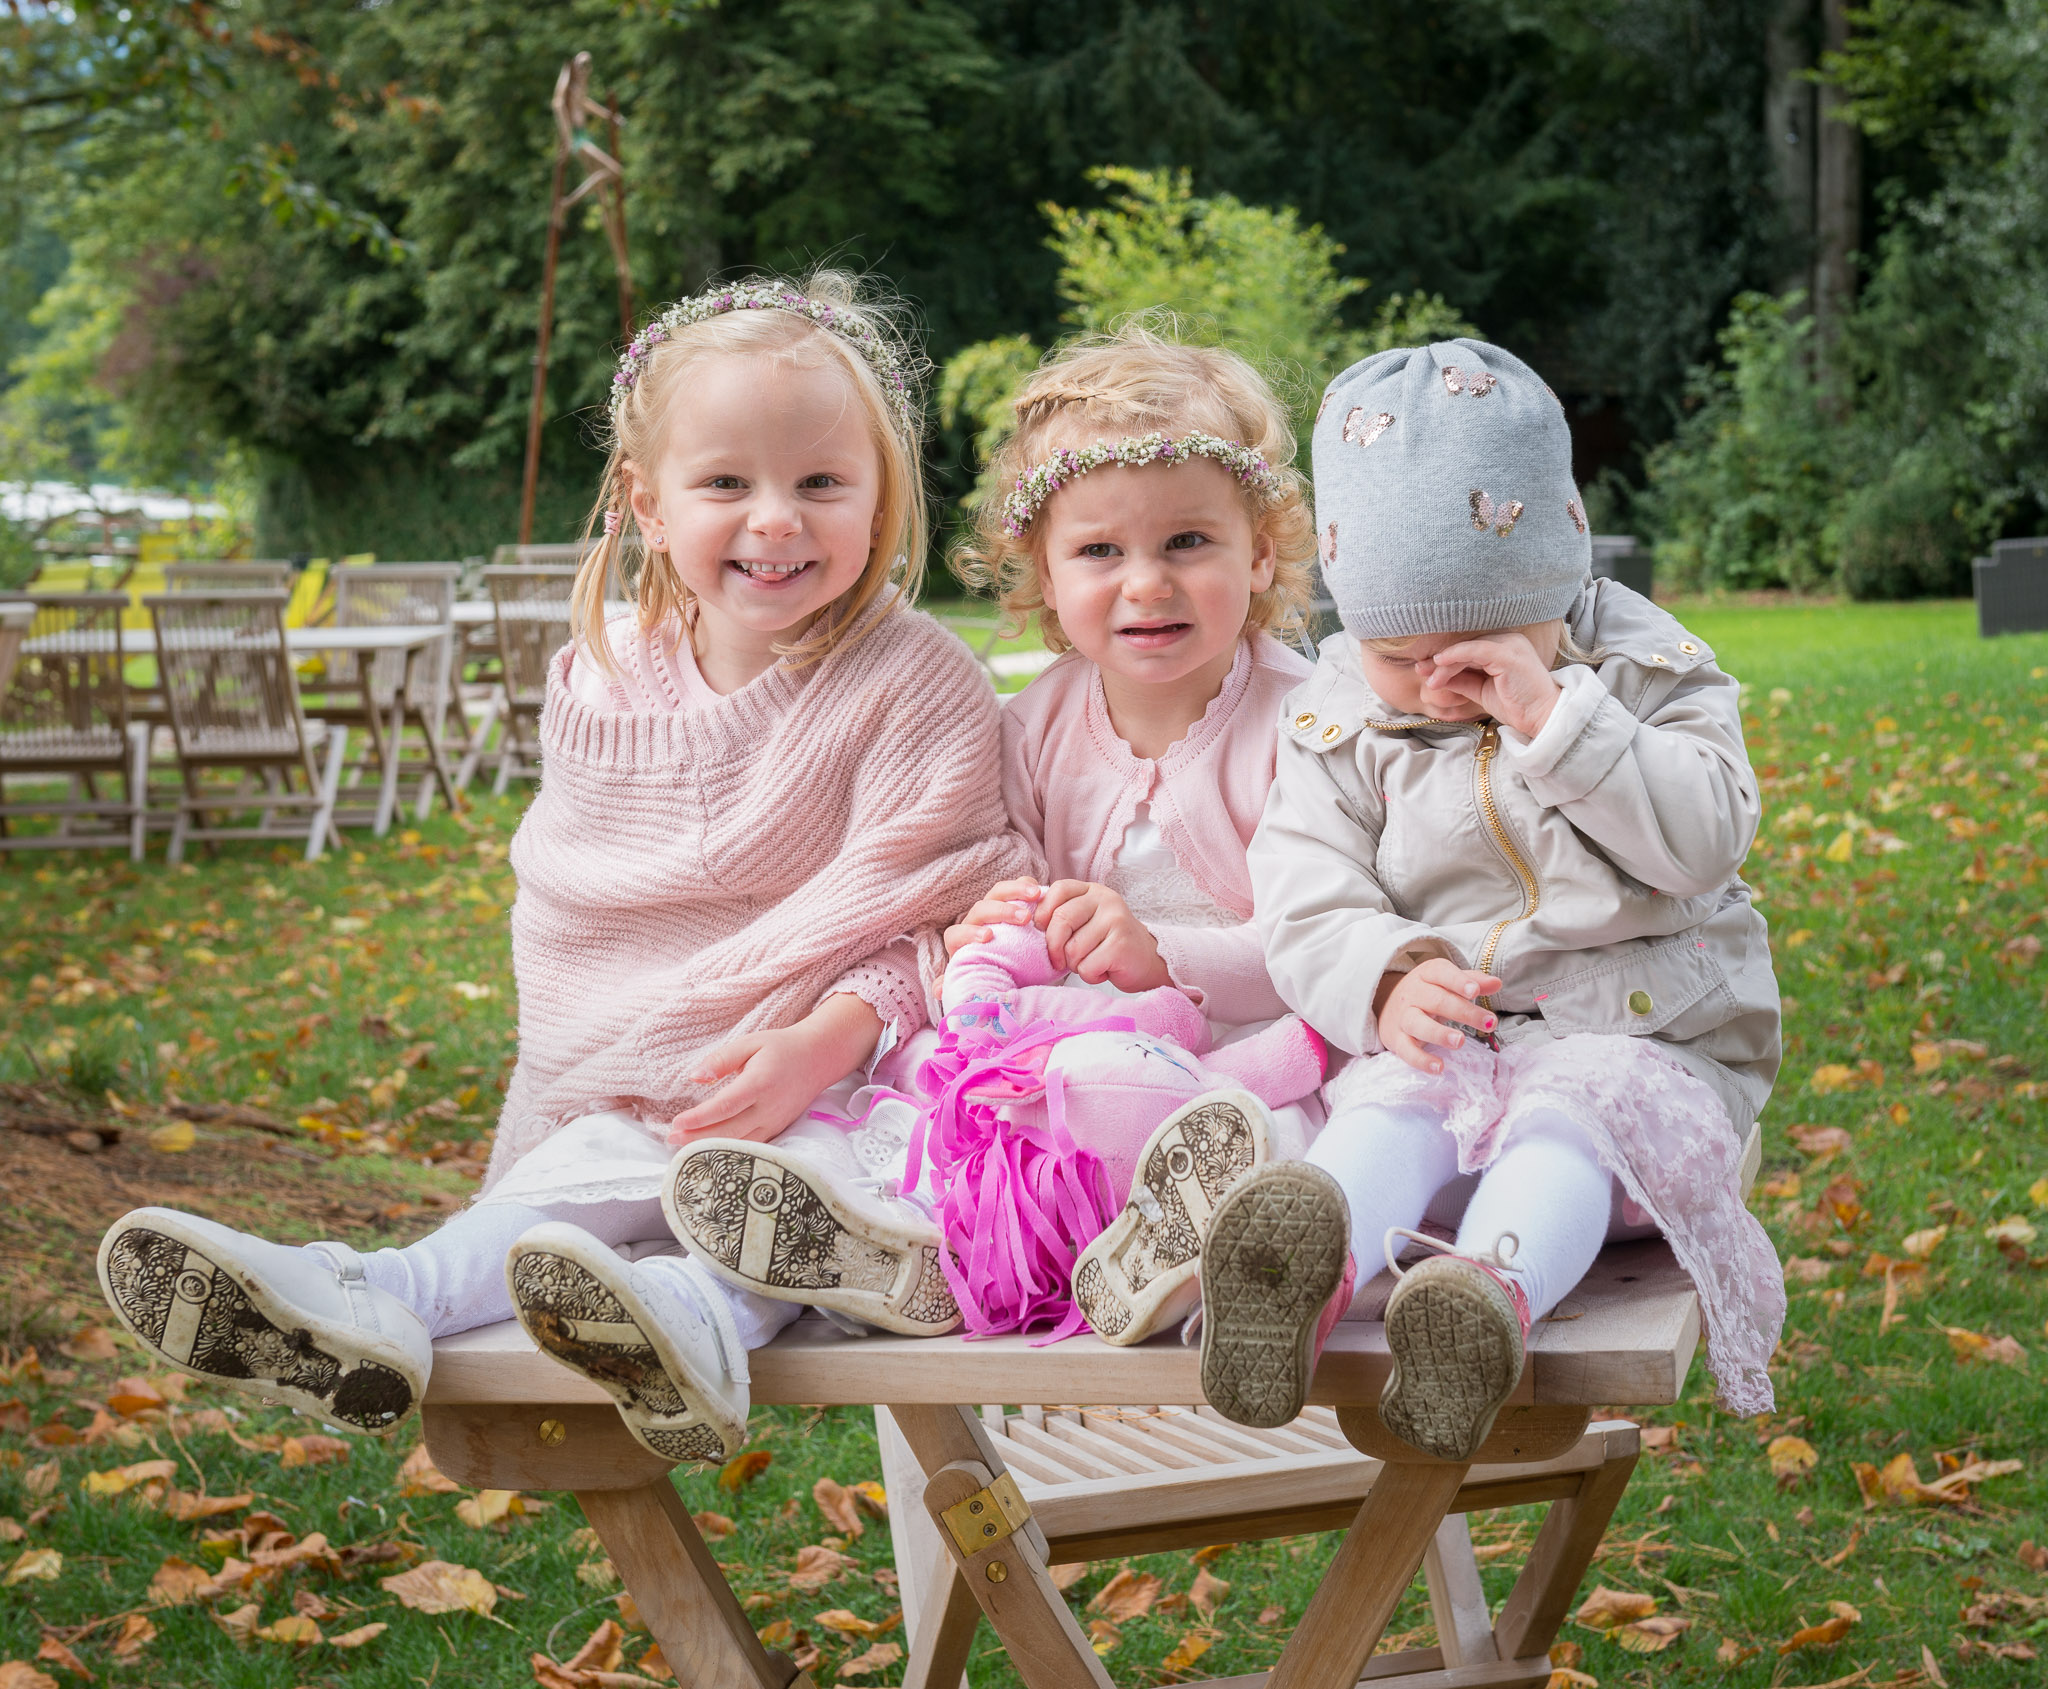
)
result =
(1444, 494)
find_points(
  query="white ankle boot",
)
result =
(270, 1318)
(663, 1347)
(779, 1222)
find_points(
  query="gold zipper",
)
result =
(1532, 893)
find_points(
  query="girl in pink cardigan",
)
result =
(764, 795)
(1156, 537)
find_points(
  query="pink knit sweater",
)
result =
(686, 874)
(1072, 787)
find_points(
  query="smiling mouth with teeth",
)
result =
(762, 571)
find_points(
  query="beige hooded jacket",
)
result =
(1594, 869)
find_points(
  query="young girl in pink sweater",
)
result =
(765, 793)
(1157, 538)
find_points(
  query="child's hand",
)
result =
(1415, 1010)
(1089, 930)
(1008, 904)
(1503, 675)
(773, 1076)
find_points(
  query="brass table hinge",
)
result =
(987, 1516)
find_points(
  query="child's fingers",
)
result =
(1056, 897)
(1443, 1005)
(1067, 920)
(716, 1111)
(1091, 952)
(1013, 891)
(722, 1059)
(958, 938)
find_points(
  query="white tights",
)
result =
(454, 1278)
(1398, 1166)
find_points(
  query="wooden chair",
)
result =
(357, 692)
(225, 575)
(232, 689)
(500, 1415)
(64, 714)
(532, 603)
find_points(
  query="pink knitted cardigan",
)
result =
(688, 874)
(1072, 787)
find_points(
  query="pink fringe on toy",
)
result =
(1021, 1201)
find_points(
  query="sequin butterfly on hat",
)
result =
(1573, 509)
(1329, 546)
(1361, 430)
(1501, 518)
(1475, 385)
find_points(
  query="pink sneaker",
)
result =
(1458, 1329)
(1276, 1266)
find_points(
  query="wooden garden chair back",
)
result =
(226, 575)
(64, 715)
(231, 689)
(362, 689)
(532, 607)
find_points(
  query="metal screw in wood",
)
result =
(553, 1432)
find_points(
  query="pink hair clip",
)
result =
(611, 521)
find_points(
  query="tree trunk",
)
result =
(1838, 194)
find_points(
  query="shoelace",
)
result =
(1501, 1260)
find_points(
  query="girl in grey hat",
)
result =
(1499, 863)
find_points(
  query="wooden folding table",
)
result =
(500, 1415)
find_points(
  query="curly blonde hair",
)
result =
(1140, 380)
(793, 341)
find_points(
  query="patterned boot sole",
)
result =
(589, 1327)
(1457, 1348)
(1139, 1275)
(198, 1315)
(763, 1221)
(1274, 1254)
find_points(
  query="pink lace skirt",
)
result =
(1659, 1130)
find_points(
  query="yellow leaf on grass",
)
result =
(1652, 1635)
(1827, 1633)
(53, 1652)
(1926, 1057)
(1821, 1140)
(1186, 1651)
(1206, 1592)
(2038, 1193)
(294, 1630)
(357, 1637)
(1791, 1459)
(654, 1665)
(816, 1566)
(1921, 1244)
(90, 1343)
(716, 1527)
(120, 1479)
(174, 1137)
(878, 1658)
(19, 1674)
(1127, 1596)
(2014, 1228)
(419, 1475)
(852, 1624)
(44, 1563)
(871, 1496)
(41, 1480)
(1569, 1677)
(240, 1624)
(1605, 1608)
(137, 1633)
(1831, 1076)
(487, 1507)
(1065, 1576)
(311, 1451)
(740, 1471)
(839, 1505)
(1843, 847)
(439, 1586)
(1732, 1653)
(176, 1582)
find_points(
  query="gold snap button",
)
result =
(1687, 646)
(1332, 734)
(997, 1571)
(1659, 657)
(1305, 720)
(1639, 1003)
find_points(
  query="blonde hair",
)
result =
(792, 341)
(1142, 381)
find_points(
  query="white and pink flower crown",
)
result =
(1041, 481)
(849, 325)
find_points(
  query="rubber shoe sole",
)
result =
(1140, 1275)
(576, 1304)
(198, 1312)
(1270, 1264)
(1457, 1346)
(764, 1220)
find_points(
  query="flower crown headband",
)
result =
(849, 326)
(1040, 482)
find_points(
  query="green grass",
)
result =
(1882, 722)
